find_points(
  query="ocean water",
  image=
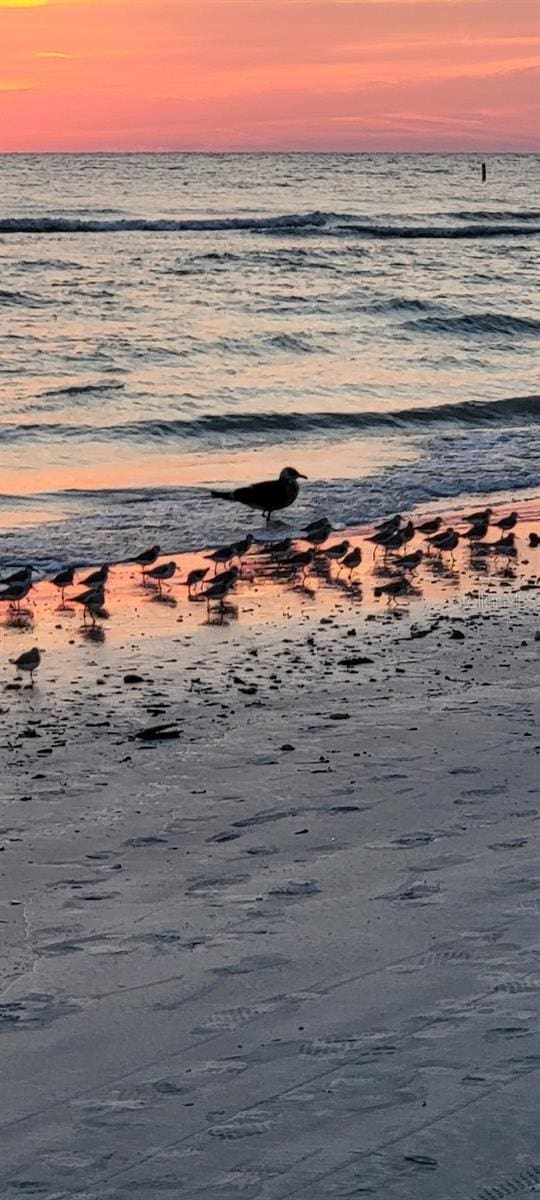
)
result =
(169, 322)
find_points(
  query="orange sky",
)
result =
(269, 74)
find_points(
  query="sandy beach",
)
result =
(290, 949)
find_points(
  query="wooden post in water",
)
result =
(484, 172)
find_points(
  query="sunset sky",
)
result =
(269, 74)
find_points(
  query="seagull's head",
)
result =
(290, 474)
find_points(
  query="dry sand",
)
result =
(292, 952)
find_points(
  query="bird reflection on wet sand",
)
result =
(431, 560)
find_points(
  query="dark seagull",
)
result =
(270, 496)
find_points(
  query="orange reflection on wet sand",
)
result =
(270, 593)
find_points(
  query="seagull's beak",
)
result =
(300, 476)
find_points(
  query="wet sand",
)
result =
(291, 950)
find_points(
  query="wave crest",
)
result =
(254, 426)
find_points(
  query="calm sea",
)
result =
(172, 321)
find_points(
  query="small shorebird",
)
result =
(479, 517)
(300, 560)
(505, 545)
(195, 577)
(221, 556)
(409, 562)
(217, 592)
(534, 540)
(445, 541)
(15, 593)
(92, 601)
(477, 532)
(394, 588)
(240, 548)
(336, 551)
(390, 525)
(24, 575)
(430, 527)
(314, 525)
(351, 561)
(395, 541)
(319, 535)
(96, 578)
(281, 547)
(508, 522)
(147, 557)
(229, 576)
(270, 496)
(29, 661)
(160, 574)
(63, 580)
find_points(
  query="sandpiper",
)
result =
(477, 532)
(430, 527)
(508, 522)
(534, 540)
(476, 518)
(29, 661)
(336, 551)
(147, 557)
(195, 577)
(240, 548)
(96, 578)
(24, 575)
(409, 562)
(230, 576)
(217, 592)
(445, 541)
(390, 525)
(221, 556)
(314, 525)
(351, 561)
(395, 541)
(300, 560)
(63, 580)
(92, 601)
(160, 574)
(394, 588)
(505, 545)
(277, 548)
(270, 496)
(319, 535)
(15, 593)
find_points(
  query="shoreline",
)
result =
(291, 950)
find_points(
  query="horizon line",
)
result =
(242, 152)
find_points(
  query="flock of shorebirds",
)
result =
(391, 538)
